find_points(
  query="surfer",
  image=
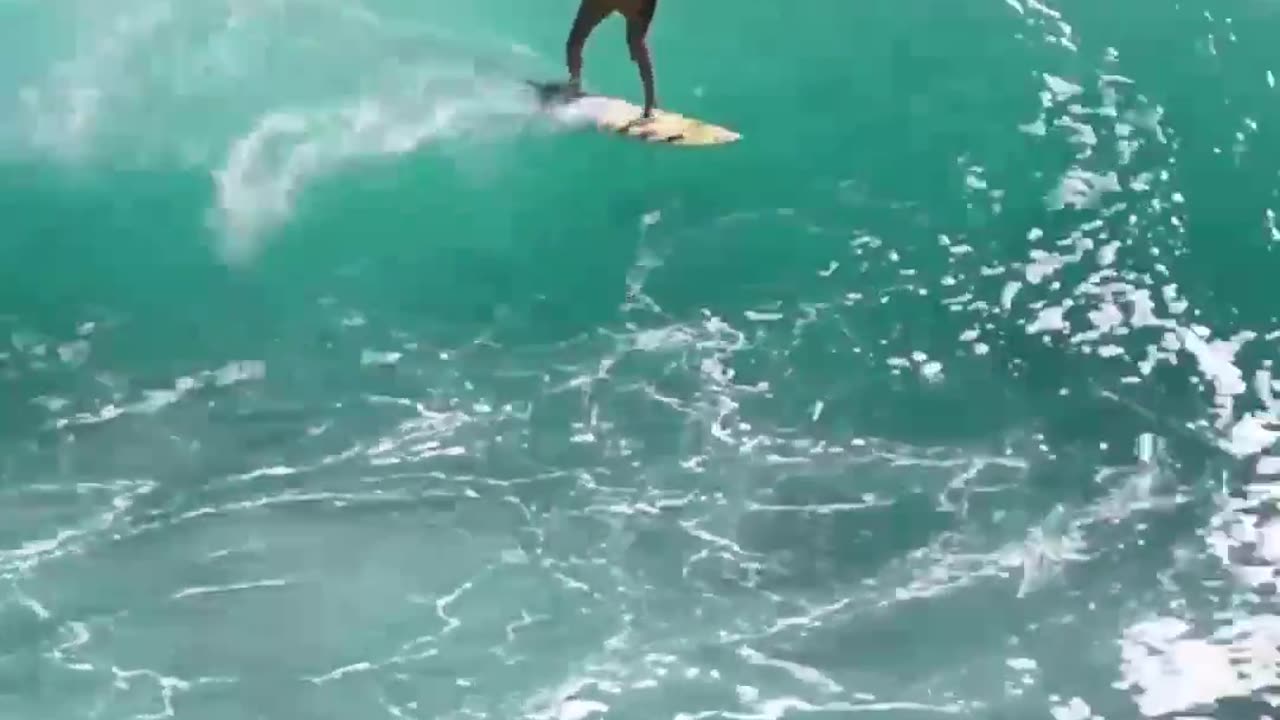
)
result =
(638, 13)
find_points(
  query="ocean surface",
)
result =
(339, 382)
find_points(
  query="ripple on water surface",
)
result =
(1010, 459)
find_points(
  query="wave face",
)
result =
(340, 382)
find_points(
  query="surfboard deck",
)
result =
(612, 114)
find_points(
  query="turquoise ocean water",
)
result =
(338, 383)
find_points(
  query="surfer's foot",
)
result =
(639, 122)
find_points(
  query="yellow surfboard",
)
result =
(611, 114)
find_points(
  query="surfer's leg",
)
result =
(590, 13)
(637, 29)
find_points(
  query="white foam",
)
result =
(195, 591)
(155, 400)
(1251, 435)
(1172, 671)
(1008, 293)
(584, 111)
(1082, 189)
(1106, 318)
(802, 673)
(266, 168)
(1073, 709)
(1082, 133)
(1042, 265)
(374, 357)
(576, 709)
(1107, 253)
(239, 371)
(931, 371)
(74, 353)
(1216, 360)
(1021, 663)
(1035, 127)
(252, 195)
(1175, 305)
(1061, 89)
(1050, 319)
(1268, 541)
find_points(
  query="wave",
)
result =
(263, 97)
